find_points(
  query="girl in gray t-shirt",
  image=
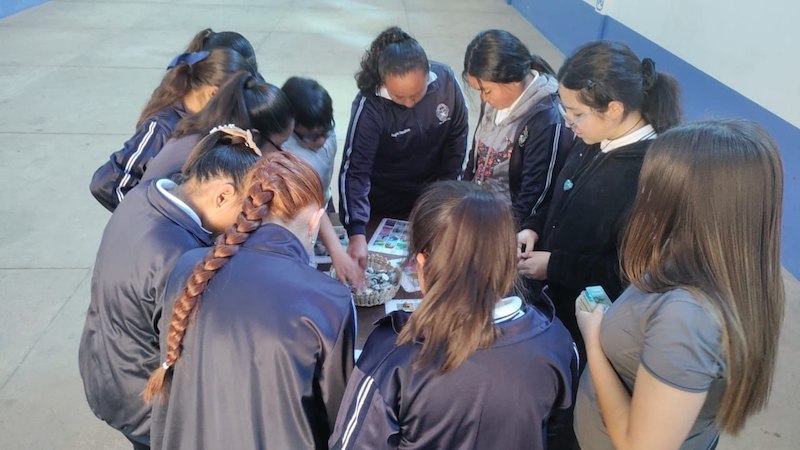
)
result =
(689, 349)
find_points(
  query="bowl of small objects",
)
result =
(383, 282)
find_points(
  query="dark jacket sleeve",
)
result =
(125, 167)
(337, 367)
(455, 146)
(363, 137)
(541, 153)
(577, 271)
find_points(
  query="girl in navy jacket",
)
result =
(258, 345)
(469, 368)
(191, 81)
(520, 141)
(143, 239)
(408, 128)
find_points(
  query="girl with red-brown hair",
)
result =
(264, 361)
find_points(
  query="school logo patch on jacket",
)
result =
(523, 136)
(442, 113)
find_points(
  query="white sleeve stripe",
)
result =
(142, 145)
(553, 155)
(366, 387)
(346, 166)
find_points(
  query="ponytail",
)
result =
(246, 102)
(606, 71)
(661, 107)
(208, 40)
(500, 57)
(191, 71)
(280, 186)
(393, 52)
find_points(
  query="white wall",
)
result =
(752, 47)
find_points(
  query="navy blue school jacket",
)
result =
(123, 170)
(266, 359)
(393, 152)
(119, 347)
(501, 397)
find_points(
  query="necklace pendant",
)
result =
(568, 185)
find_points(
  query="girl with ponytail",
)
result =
(256, 344)
(616, 104)
(520, 141)
(408, 128)
(192, 79)
(141, 243)
(247, 102)
(473, 367)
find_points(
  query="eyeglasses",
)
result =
(577, 117)
(310, 138)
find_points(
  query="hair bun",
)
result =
(649, 74)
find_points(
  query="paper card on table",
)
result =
(391, 237)
(401, 304)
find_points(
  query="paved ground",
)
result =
(73, 78)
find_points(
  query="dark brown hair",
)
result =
(708, 219)
(393, 52)
(181, 79)
(468, 237)
(280, 185)
(246, 102)
(209, 39)
(606, 71)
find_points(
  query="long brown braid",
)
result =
(281, 185)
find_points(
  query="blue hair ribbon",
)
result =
(188, 58)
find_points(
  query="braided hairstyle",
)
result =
(393, 52)
(280, 185)
(500, 57)
(606, 71)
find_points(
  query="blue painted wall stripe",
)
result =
(571, 23)
(9, 7)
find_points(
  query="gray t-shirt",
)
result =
(677, 340)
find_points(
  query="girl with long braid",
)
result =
(264, 361)
(141, 243)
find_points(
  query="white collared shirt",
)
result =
(642, 134)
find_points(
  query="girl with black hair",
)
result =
(243, 101)
(192, 79)
(616, 104)
(408, 128)
(247, 102)
(142, 241)
(313, 138)
(520, 142)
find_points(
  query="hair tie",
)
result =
(165, 365)
(189, 59)
(649, 74)
(232, 130)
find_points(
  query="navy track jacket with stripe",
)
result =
(511, 395)
(124, 169)
(393, 152)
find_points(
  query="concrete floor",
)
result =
(74, 76)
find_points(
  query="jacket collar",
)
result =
(174, 213)
(273, 238)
